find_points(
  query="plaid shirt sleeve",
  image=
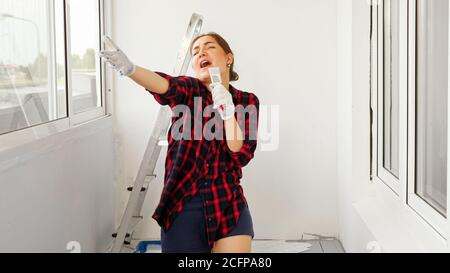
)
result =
(248, 118)
(178, 92)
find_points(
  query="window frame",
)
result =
(378, 102)
(84, 116)
(104, 84)
(404, 191)
(431, 215)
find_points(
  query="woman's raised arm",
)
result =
(120, 62)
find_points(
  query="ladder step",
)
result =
(114, 235)
(133, 223)
(147, 181)
(149, 178)
(131, 189)
(163, 143)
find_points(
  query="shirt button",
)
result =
(207, 165)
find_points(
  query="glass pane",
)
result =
(85, 41)
(391, 87)
(431, 112)
(28, 92)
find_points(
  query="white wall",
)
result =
(286, 53)
(59, 189)
(353, 120)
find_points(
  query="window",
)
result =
(427, 115)
(391, 89)
(84, 41)
(431, 102)
(387, 152)
(37, 83)
(410, 53)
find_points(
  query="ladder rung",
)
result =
(114, 235)
(131, 189)
(149, 178)
(134, 222)
(163, 143)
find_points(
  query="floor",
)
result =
(325, 246)
(316, 244)
(299, 246)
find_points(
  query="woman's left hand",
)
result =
(223, 101)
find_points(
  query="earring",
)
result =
(229, 65)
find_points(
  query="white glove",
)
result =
(117, 59)
(223, 101)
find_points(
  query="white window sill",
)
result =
(395, 226)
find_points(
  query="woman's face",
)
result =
(207, 53)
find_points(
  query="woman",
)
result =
(202, 206)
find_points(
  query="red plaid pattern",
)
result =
(201, 166)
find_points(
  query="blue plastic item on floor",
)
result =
(143, 246)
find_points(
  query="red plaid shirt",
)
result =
(201, 166)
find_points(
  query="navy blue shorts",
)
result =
(188, 232)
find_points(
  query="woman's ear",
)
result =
(230, 59)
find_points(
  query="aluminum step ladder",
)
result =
(132, 215)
